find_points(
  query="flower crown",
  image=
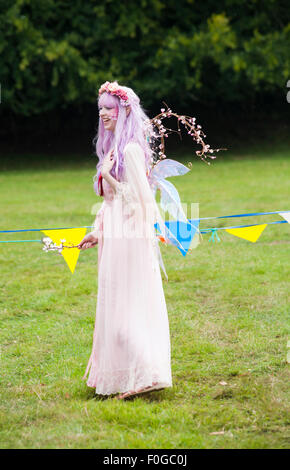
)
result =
(114, 89)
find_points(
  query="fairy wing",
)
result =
(167, 167)
(169, 200)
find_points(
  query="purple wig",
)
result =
(131, 128)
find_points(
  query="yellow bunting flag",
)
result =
(72, 236)
(248, 233)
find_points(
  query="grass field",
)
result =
(227, 304)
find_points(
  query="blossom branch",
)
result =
(49, 245)
(193, 129)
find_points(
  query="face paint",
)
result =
(115, 113)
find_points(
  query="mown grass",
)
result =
(227, 304)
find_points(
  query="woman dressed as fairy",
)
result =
(131, 342)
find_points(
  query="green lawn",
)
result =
(227, 306)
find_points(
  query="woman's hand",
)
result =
(108, 163)
(89, 241)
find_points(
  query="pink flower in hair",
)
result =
(114, 89)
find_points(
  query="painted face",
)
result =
(109, 115)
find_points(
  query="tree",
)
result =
(57, 53)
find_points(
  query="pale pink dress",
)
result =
(131, 342)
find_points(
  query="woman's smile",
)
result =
(107, 115)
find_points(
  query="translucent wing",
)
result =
(170, 200)
(167, 167)
(169, 194)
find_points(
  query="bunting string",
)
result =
(250, 232)
(180, 233)
(205, 230)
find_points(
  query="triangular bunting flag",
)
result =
(72, 236)
(248, 233)
(181, 231)
(286, 216)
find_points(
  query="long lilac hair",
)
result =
(132, 128)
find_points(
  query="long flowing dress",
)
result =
(131, 341)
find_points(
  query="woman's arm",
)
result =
(110, 179)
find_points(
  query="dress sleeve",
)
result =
(137, 193)
(98, 221)
(135, 188)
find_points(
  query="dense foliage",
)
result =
(56, 52)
